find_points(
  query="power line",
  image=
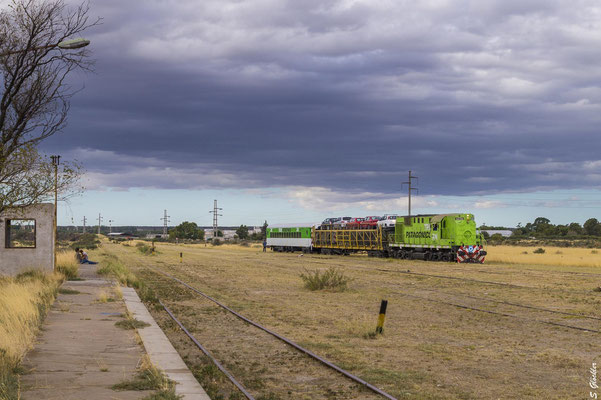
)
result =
(166, 221)
(215, 213)
(99, 222)
(409, 184)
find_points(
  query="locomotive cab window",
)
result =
(20, 233)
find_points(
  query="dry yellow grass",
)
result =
(66, 264)
(430, 348)
(23, 301)
(560, 256)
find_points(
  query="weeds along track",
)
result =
(450, 299)
(273, 366)
(527, 312)
(473, 280)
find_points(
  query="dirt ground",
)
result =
(449, 336)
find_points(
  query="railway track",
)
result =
(505, 284)
(488, 299)
(376, 392)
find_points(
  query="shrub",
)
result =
(148, 377)
(131, 323)
(113, 267)
(145, 249)
(540, 250)
(594, 252)
(331, 279)
(86, 241)
(216, 242)
(66, 264)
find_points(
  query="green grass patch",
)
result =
(68, 291)
(150, 377)
(331, 279)
(166, 394)
(131, 323)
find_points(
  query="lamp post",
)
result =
(110, 225)
(55, 161)
(65, 45)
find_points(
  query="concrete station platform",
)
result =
(81, 354)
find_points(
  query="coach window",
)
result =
(20, 233)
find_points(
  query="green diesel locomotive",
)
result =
(436, 237)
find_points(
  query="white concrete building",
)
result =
(27, 239)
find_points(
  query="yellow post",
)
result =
(382, 316)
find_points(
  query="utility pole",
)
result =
(83, 230)
(409, 183)
(55, 161)
(99, 222)
(165, 222)
(111, 225)
(215, 213)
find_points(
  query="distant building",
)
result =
(121, 235)
(254, 229)
(227, 234)
(156, 236)
(504, 233)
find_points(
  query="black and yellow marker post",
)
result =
(382, 316)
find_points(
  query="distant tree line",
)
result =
(243, 233)
(543, 228)
(187, 230)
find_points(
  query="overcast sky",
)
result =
(308, 109)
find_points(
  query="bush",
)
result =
(331, 279)
(66, 264)
(86, 241)
(216, 242)
(145, 249)
(149, 377)
(113, 267)
(540, 250)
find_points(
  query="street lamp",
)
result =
(65, 45)
(73, 44)
(55, 162)
(110, 225)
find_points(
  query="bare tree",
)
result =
(28, 178)
(35, 101)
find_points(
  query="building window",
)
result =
(20, 233)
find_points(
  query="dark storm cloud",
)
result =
(476, 97)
